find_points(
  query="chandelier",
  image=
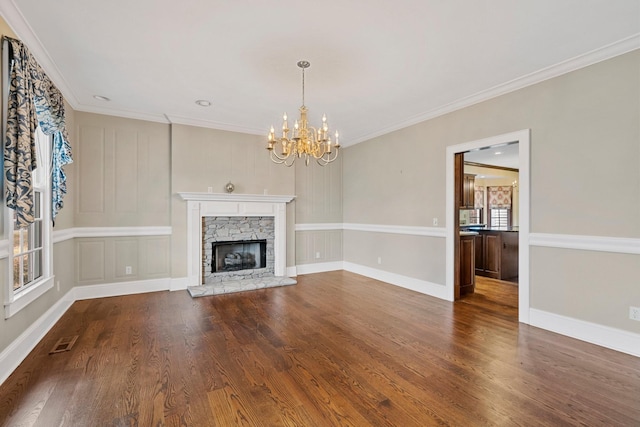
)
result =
(306, 141)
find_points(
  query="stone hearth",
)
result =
(231, 286)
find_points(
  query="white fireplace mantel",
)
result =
(230, 197)
(201, 205)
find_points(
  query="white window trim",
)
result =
(17, 300)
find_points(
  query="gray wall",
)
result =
(319, 202)
(123, 169)
(585, 180)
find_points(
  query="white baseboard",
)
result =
(605, 336)
(20, 348)
(320, 267)
(120, 288)
(292, 271)
(180, 284)
(422, 286)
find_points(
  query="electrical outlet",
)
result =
(379, 260)
(634, 313)
(127, 270)
(435, 222)
(210, 189)
(317, 255)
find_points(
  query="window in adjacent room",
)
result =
(500, 218)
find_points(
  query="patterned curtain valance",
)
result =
(478, 197)
(33, 101)
(499, 197)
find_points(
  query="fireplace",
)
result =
(209, 216)
(237, 247)
(238, 255)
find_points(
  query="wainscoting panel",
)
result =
(105, 259)
(154, 256)
(318, 246)
(319, 193)
(122, 180)
(125, 255)
(90, 261)
(126, 171)
(90, 152)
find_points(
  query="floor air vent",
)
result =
(64, 344)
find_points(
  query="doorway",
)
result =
(452, 229)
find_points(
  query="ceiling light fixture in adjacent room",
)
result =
(307, 141)
(203, 103)
(101, 98)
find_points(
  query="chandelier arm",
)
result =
(323, 162)
(277, 159)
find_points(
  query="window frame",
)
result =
(16, 300)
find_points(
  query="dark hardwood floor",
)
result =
(335, 349)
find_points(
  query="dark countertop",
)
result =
(481, 227)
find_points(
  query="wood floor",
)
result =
(337, 349)
(495, 297)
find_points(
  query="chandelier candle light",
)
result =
(307, 141)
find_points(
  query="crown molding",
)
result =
(24, 32)
(189, 121)
(136, 115)
(598, 55)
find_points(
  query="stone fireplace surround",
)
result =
(200, 205)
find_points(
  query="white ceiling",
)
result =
(506, 156)
(376, 66)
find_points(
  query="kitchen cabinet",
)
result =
(467, 264)
(468, 191)
(496, 254)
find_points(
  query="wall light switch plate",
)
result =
(435, 222)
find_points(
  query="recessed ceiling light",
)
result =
(498, 152)
(203, 103)
(101, 98)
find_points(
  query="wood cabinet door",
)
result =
(479, 249)
(467, 265)
(492, 249)
(468, 191)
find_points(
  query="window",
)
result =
(30, 257)
(499, 218)
(475, 216)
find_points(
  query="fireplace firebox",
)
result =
(238, 255)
